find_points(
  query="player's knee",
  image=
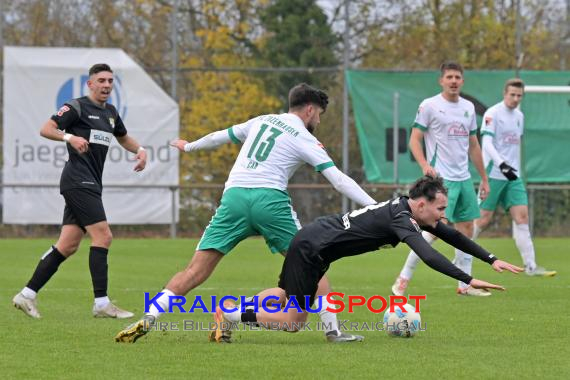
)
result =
(103, 239)
(107, 238)
(68, 249)
(482, 222)
(521, 218)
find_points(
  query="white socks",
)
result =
(523, 241)
(162, 301)
(413, 259)
(330, 322)
(29, 293)
(521, 234)
(463, 261)
(476, 231)
(101, 302)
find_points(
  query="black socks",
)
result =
(98, 268)
(46, 268)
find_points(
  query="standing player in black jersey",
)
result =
(87, 125)
(330, 238)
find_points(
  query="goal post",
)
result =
(547, 89)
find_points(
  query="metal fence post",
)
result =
(396, 137)
(173, 220)
(531, 210)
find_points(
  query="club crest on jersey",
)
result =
(112, 122)
(415, 224)
(62, 110)
(466, 114)
(488, 120)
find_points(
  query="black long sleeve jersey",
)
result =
(385, 225)
(96, 124)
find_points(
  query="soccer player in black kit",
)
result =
(87, 126)
(386, 224)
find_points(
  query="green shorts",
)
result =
(461, 201)
(247, 212)
(506, 193)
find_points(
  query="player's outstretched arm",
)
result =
(440, 263)
(347, 186)
(210, 141)
(434, 259)
(455, 238)
(133, 146)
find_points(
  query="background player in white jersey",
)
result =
(448, 124)
(501, 132)
(255, 199)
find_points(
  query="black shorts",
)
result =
(302, 270)
(83, 207)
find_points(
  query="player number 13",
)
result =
(266, 146)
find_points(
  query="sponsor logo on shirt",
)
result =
(100, 137)
(93, 117)
(510, 139)
(62, 110)
(456, 130)
(415, 224)
(320, 145)
(488, 120)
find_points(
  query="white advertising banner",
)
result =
(37, 81)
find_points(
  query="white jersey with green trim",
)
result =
(447, 127)
(506, 126)
(274, 147)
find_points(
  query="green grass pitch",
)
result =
(520, 333)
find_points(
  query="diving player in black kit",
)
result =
(330, 238)
(87, 125)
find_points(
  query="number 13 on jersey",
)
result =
(261, 150)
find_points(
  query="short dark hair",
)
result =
(514, 82)
(98, 67)
(303, 94)
(428, 187)
(450, 65)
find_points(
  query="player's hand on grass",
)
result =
(79, 144)
(178, 143)
(141, 160)
(479, 284)
(500, 265)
